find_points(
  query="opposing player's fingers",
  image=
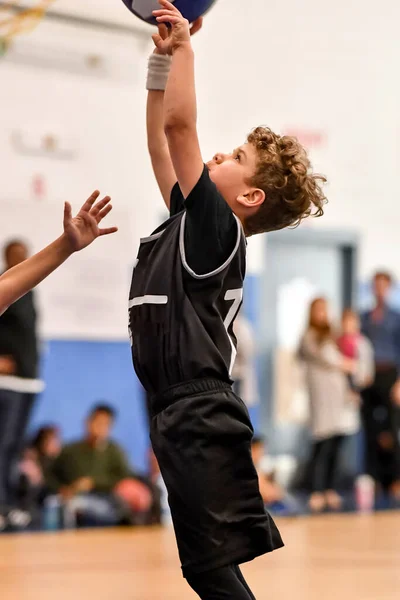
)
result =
(67, 212)
(100, 205)
(108, 230)
(90, 201)
(196, 26)
(103, 213)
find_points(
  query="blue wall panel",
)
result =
(80, 374)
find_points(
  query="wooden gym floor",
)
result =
(326, 558)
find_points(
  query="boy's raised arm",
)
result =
(158, 70)
(180, 109)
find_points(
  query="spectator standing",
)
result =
(35, 468)
(381, 401)
(354, 345)
(270, 491)
(19, 382)
(244, 373)
(328, 388)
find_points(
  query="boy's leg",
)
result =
(225, 583)
(244, 582)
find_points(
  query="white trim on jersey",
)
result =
(150, 238)
(216, 271)
(236, 297)
(140, 300)
(21, 385)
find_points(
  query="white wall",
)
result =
(330, 69)
(97, 117)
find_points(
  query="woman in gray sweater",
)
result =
(334, 403)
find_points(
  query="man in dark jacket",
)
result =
(381, 401)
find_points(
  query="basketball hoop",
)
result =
(17, 19)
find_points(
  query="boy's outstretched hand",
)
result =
(82, 230)
(168, 40)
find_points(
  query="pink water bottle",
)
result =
(365, 493)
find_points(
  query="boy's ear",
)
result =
(254, 198)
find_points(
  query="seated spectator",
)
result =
(161, 510)
(270, 491)
(275, 498)
(95, 481)
(35, 467)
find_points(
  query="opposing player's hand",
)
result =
(167, 40)
(82, 230)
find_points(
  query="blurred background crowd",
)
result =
(318, 362)
(350, 458)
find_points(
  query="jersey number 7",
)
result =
(235, 296)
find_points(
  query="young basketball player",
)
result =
(79, 232)
(186, 290)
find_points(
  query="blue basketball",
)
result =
(191, 9)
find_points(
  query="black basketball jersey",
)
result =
(180, 322)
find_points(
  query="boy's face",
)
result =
(231, 174)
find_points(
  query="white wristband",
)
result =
(157, 72)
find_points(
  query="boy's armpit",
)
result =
(177, 201)
(211, 230)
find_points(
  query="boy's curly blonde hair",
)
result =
(292, 191)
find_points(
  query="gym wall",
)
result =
(86, 91)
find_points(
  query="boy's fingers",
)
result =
(164, 12)
(169, 6)
(196, 26)
(163, 31)
(169, 19)
(159, 43)
(157, 39)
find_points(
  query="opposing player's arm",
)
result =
(180, 109)
(79, 232)
(17, 281)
